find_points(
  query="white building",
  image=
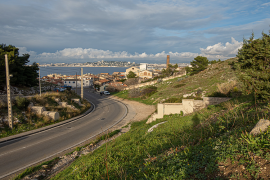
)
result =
(72, 82)
(143, 66)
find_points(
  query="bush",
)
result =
(254, 63)
(152, 87)
(22, 103)
(226, 88)
(144, 93)
(217, 94)
(134, 93)
(173, 100)
(178, 85)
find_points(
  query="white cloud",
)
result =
(216, 51)
(222, 51)
(23, 50)
(266, 4)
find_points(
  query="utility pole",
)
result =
(39, 81)
(76, 82)
(10, 118)
(82, 83)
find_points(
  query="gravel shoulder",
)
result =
(136, 111)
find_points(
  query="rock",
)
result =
(45, 166)
(57, 100)
(38, 109)
(155, 126)
(261, 126)
(72, 107)
(53, 115)
(63, 104)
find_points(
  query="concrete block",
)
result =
(38, 109)
(78, 101)
(53, 115)
(261, 126)
(72, 107)
(57, 100)
(188, 106)
(63, 104)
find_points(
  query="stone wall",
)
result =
(187, 106)
(153, 82)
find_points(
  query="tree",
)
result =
(131, 75)
(254, 64)
(199, 64)
(169, 70)
(23, 75)
(214, 61)
(188, 69)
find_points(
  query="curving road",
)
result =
(17, 154)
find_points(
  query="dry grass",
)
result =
(39, 124)
(227, 87)
(47, 119)
(229, 105)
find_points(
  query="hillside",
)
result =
(213, 143)
(215, 75)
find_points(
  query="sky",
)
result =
(141, 31)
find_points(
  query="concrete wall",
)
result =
(187, 106)
(172, 108)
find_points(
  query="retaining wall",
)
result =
(187, 106)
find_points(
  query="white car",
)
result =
(106, 92)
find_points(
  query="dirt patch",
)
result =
(136, 111)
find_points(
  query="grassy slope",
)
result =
(206, 80)
(208, 144)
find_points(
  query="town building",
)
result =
(87, 82)
(133, 69)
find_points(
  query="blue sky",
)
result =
(130, 30)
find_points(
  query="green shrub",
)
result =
(179, 85)
(22, 103)
(217, 94)
(152, 87)
(254, 64)
(173, 100)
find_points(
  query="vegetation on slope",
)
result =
(211, 80)
(26, 120)
(204, 145)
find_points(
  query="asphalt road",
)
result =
(22, 152)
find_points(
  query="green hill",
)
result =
(213, 143)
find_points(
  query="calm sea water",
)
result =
(44, 71)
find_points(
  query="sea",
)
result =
(44, 71)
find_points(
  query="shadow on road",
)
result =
(8, 142)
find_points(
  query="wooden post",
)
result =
(39, 82)
(76, 82)
(82, 83)
(10, 118)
